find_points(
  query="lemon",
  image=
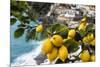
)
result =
(92, 42)
(52, 55)
(83, 20)
(85, 56)
(71, 33)
(47, 46)
(89, 39)
(82, 26)
(93, 58)
(63, 53)
(69, 38)
(39, 28)
(90, 36)
(57, 40)
(85, 40)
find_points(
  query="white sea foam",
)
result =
(28, 58)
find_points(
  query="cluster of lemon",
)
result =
(85, 56)
(54, 46)
(89, 39)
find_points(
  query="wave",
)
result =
(27, 58)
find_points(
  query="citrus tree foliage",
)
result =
(83, 35)
(27, 13)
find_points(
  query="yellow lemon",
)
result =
(63, 53)
(47, 46)
(82, 26)
(93, 58)
(85, 40)
(92, 42)
(39, 28)
(69, 38)
(52, 55)
(83, 20)
(85, 56)
(71, 33)
(90, 36)
(57, 40)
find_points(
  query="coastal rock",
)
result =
(40, 58)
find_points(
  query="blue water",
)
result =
(19, 46)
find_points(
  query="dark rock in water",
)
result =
(40, 58)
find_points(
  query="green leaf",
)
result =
(31, 34)
(44, 34)
(16, 14)
(73, 48)
(84, 47)
(13, 21)
(82, 33)
(58, 28)
(64, 34)
(19, 32)
(72, 45)
(55, 28)
(49, 30)
(90, 27)
(77, 58)
(21, 25)
(77, 37)
(63, 31)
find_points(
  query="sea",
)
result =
(19, 46)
